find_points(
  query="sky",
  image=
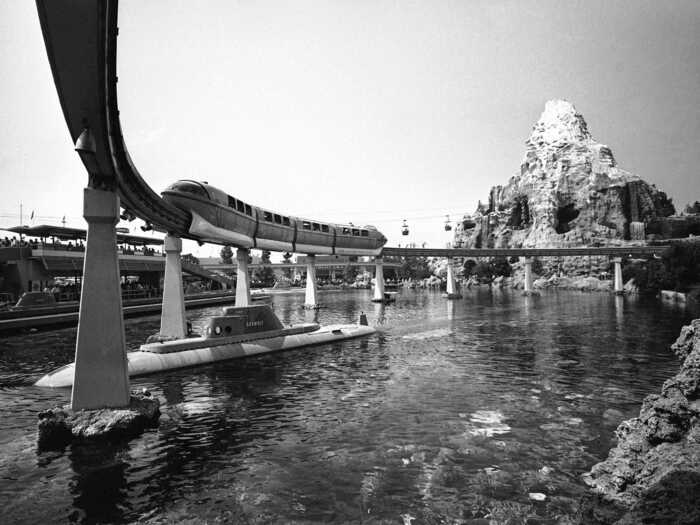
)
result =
(369, 111)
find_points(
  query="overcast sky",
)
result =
(364, 111)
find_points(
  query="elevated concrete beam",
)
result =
(173, 323)
(242, 277)
(101, 372)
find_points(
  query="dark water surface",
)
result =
(453, 411)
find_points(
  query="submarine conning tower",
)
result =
(240, 320)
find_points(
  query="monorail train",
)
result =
(218, 217)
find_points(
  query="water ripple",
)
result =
(453, 410)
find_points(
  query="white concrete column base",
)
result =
(378, 295)
(528, 276)
(618, 286)
(101, 377)
(311, 298)
(173, 322)
(452, 292)
(242, 277)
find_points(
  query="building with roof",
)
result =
(39, 257)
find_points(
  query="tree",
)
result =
(678, 269)
(350, 271)
(483, 271)
(501, 266)
(693, 208)
(226, 255)
(265, 274)
(469, 265)
(486, 270)
(415, 268)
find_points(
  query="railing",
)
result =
(619, 251)
(195, 269)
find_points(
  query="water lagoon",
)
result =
(491, 406)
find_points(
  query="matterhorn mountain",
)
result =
(569, 192)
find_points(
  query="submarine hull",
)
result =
(158, 357)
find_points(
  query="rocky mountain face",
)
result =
(652, 475)
(569, 192)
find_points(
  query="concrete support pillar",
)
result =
(528, 290)
(242, 277)
(617, 283)
(173, 323)
(452, 292)
(101, 371)
(378, 280)
(311, 301)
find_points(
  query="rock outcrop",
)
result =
(569, 192)
(653, 473)
(59, 426)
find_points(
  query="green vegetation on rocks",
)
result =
(678, 269)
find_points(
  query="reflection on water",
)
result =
(453, 410)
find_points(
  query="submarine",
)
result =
(238, 332)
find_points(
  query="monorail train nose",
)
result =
(188, 186)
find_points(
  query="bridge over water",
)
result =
(81, 44)
(614, 251)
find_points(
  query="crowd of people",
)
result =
(14, 242)
(78, 246)
(138, 290)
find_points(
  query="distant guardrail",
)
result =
(618, 251)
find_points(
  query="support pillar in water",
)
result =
(101, 377)
(528, 288)
(378, 296)
(311, 302)
(452, 292)
(242, 277)
(173, 323)
(617, 283)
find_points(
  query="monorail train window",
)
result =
(324, 228)
(306, 225)
(231, 202)
(346, 231)
(355, 232)
(240, 206)
(285, 221)
(278, 219)
(267, 216)
(248, 210)
(317, 226)
(365, 233)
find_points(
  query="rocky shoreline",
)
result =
(652, 475)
